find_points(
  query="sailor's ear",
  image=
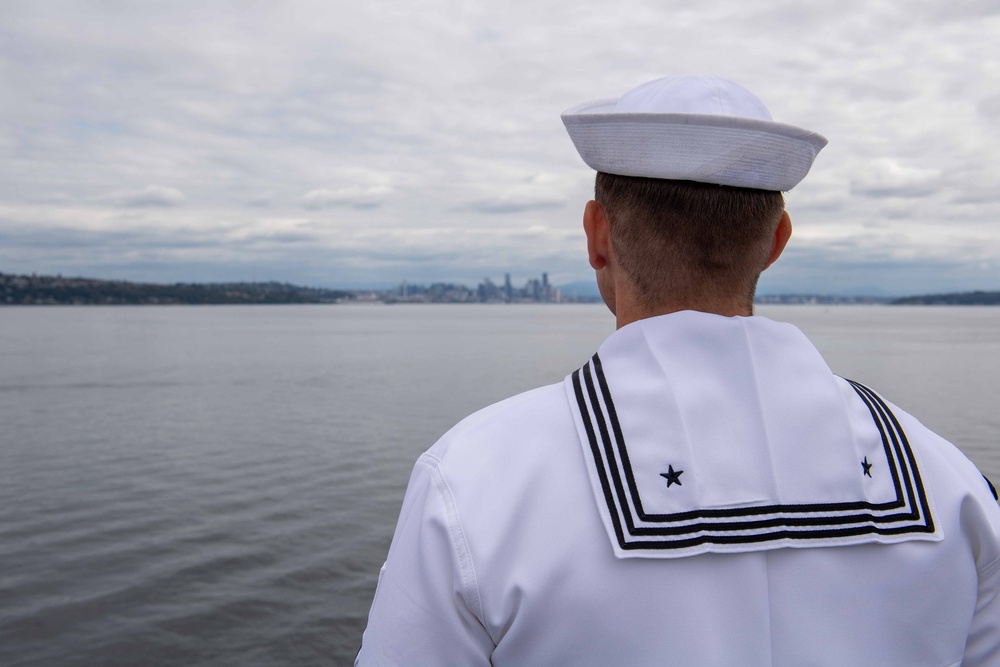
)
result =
(781, 236)
(598, 230)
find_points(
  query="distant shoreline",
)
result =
(59, 291)
(23, 290)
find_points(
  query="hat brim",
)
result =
(725, 150)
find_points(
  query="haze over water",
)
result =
(218, 485)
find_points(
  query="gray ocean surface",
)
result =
(219, 485)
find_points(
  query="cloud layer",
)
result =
(350, 143)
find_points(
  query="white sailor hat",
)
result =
(692, 128)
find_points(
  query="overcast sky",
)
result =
(352, 143)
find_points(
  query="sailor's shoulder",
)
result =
(944, 465)
(508, 423)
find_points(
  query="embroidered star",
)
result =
(867, 467)
(673, 476)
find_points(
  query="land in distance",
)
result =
(57, 290)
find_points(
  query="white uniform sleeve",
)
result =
(982, 648)
(426, 609)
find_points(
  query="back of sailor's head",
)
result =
(690, 174)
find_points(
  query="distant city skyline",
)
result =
(535, 290)
(344, 145)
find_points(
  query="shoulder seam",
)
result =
(990, 571)
(457, 535)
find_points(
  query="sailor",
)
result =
(703, 491)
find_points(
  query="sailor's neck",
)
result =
(626, 315)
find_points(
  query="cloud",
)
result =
(149, 196)
(888, 177)
(512, 204)
(359, 197)
(263, 200)
(977, 196)
(990, 107)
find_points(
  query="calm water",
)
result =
(218, 485)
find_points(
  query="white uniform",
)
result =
(703, 492)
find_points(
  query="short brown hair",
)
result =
(681, 238)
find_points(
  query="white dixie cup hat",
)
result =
(692, 128)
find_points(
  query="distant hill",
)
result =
(583, 289)
(818, 299)
(957, 299)
(56, 290)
